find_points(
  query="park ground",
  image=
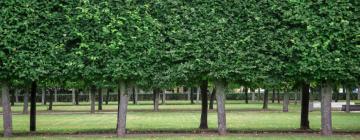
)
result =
(179, 120)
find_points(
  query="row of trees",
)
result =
(162, 44)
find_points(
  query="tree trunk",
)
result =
(246, 95)
(296, 99)
(12, 97)
(212, 98)
(43, 94)
(192, 96)
(266, 99)
(107, 96)
(134, 94)
(326, 121)
(17, 95)
(304, 121)
(259, 94)
(336, 93)
(73, 96)
(33, 107)
(163, 98)
(56, 97)
(7, 116)
(286, 101)
(77, 97)
(51, 100)
(278, 96)
(156, 97)
(92, 99)
(273, 96)
(252, 95)
(220, 99)
(122, 108)
(100, 99)
(348, 93)
(204, 104)
(358, 95)
(198, 95)
(26, 101)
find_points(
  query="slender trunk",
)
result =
(107, 96)
(17, 95)
(304, 121)
(56, 97)
(358, 94)
(192, 95)
(100, 99)
(259, 94)
(156, 97)
(348, 93)
(204, 105)
(124, 89)
(296, 99)
(212, 98)
(246, 95)
(336, 93)
(33, 107)
(286, 101)
(220, 99)
(73, 96)
(51, 100)
(163, 98)
(26, 101)
(7, 116)
(77, 97)
(92, 99)
(273, 96)
(12, 96)
(198, 95)
(266, 99)
(43, 96)
(278, 96)
(133, 93)
(252, 95)
(326, 121)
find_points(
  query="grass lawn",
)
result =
(176, 116)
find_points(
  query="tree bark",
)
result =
(33, 107)
(278, 96)
(326, 121)
(12, 96)
(73, 96)
(92, 99)
(286, 101)
(43, 94)
(56, 97)
(273, 96)
(266, 99)
(17, 95)
(107, 96)
(7, 116)
(198, 95)
(100, 99)
(134, 94)
(51, 100)
(358, 94)
(246, 95)
(212, 98)
(192, 96)
(348, 93)
(220, 99)
(26, 101)
(163, 98)
(204, 105)
(156, 97)
(122, 108)
(252, 95)
(77, 97)
(304, 121)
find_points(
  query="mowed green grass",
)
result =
(175, 116)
